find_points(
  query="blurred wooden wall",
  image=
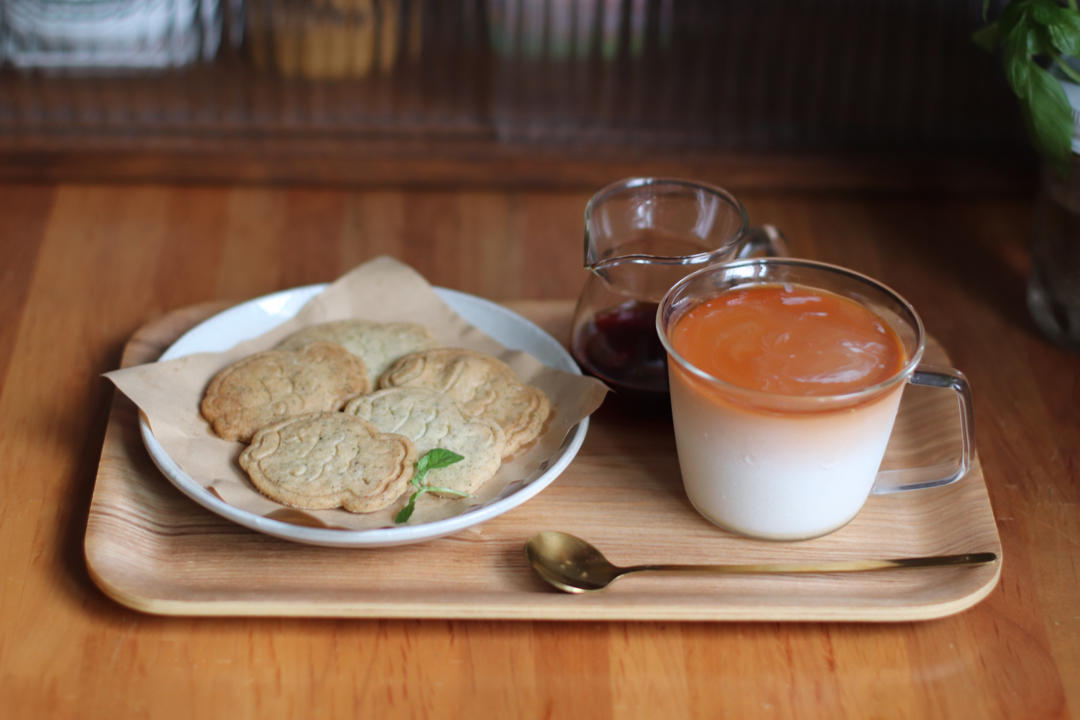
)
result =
(307, 90)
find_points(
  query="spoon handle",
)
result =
(831, 566)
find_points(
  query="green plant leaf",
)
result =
(1057, 27)
(1016, 51)
(1014, 14)
(1050, 117)
(441, 457)
(1018, 73)
(1027, 34)
(406, 512)
(422, 464)
(1065, 33)
(431, 460)
(1042, 11)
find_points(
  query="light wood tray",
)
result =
(150, 548)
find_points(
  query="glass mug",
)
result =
(791, 467)
(642, 235)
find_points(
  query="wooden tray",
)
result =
(150, 548)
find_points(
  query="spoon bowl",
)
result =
(569, 563)
(574, 566)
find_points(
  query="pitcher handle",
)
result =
(928, 476)
(763, 241)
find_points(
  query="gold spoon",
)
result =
(573, 565)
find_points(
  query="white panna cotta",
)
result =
(776, 476)
(783, 398)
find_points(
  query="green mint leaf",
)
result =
(431, 460)
(440, 458)
(406, 512)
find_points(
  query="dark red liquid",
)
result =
(619, 345)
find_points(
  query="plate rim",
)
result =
(373, 537)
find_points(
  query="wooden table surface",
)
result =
(83, 266)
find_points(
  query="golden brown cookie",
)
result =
(273, 385)
(483, 385)
(325, 460)
(434, 420)
(379, 345)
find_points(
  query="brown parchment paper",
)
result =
(383, 289)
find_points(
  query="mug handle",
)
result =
(928, 476)
(764, 241)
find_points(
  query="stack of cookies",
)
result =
(338, 414)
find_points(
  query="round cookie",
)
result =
(276, 384)
(434, 420)
(325, 460)
(379, 345)
(483, 385)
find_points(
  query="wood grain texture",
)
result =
(622, 491)
(319, 160)
(92, 263)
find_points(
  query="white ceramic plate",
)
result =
(257, 316)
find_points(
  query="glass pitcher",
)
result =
(642, 235)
